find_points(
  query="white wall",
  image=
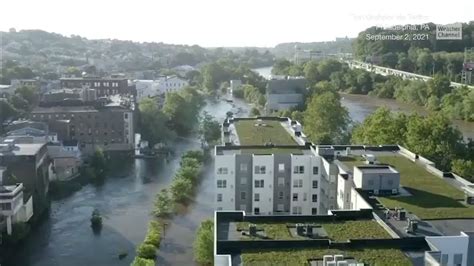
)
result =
(228, 193)
(266, 193)
(450, 245)
(305, 193)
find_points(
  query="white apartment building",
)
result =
(284, 177)
(160, 86)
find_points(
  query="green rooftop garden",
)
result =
(273, 132)
(432, 197)
(337, 231)
(272, 150)
(378, 257)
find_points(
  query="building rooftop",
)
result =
(20, 149)
(285, 86)
(379, 169)
(261, 132)
(276, 241)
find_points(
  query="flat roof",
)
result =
(262, 131)
(376, 169)
(22, 149)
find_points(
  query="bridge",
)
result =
(385, 71)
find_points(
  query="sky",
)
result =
(225, 23)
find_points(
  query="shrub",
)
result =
(464, 168)
(146, 251)
(204, 243)
(196, 154)
(153, 235)
(164, 206)
(142, 262)
(181, 189)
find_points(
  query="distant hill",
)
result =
(287, 50)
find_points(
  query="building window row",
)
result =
(260, 169)
(298, 183)
(221, 183)
(222, 170)
(298, 169)
(259, 183)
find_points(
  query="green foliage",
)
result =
(142, 262)
(204, 243)
(464, 168)
(325, 120)
(153, 123)
(29, 94)
(433, 136)
(96, 219)
(194, 154)
(12, 70)
(6, 110)
(281, 67)
(209, 128)
(98, 164)
(188, 162)
(181, 115)
(163, 206)
(254, 111)
(381, 127)
(146, 251)
(153, 235)
(253, 95)
(181, 189)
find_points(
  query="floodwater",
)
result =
(125, 201)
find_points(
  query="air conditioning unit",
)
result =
(376, 191)
(395, 191)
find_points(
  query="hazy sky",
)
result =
(213, 23)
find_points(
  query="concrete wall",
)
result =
(380, 181)
(450, 245)
(228, 200)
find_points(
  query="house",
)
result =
(105, 86)
(6, 91)
(378, 179)
(66, 161)
(283, 94)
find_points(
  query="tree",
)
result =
(281, 67)
(439, 85)
(181, 189)
(146, 251)
(210, 128)
(98, 163)
(381, 127)
(153, 123)
(29, 94)
(464, 168)
(325, 120)
(311, 72)
(254, 111)
(434, 137)
(6, 110)
(182, 115)
(138, 261)
(164, 206)
(204, 243)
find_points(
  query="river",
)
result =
(125, 201)
(360, 106)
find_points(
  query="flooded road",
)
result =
(125, 201)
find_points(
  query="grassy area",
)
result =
(351, 161)
(273, 132)
(338, 231)
(376, 257)
(432, 197)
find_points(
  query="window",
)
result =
(6, 206)
(314, 211)
(280, 207)
(281, 181)
(305, 197)
(280, 195)
(457, 259)
(222, 170)
(219, 197)
(315, 183)
(260, 169)
(256, 210)
(281, 167)
(243, 195)
(243, 167)
(256, 197)
(259, 183)
(298, 183)
(314, 197)
(296, 210)
(315, 170)
(221, 183)
(243, 181)
(298, 170)
(295, 196)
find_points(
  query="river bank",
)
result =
(125, 201)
